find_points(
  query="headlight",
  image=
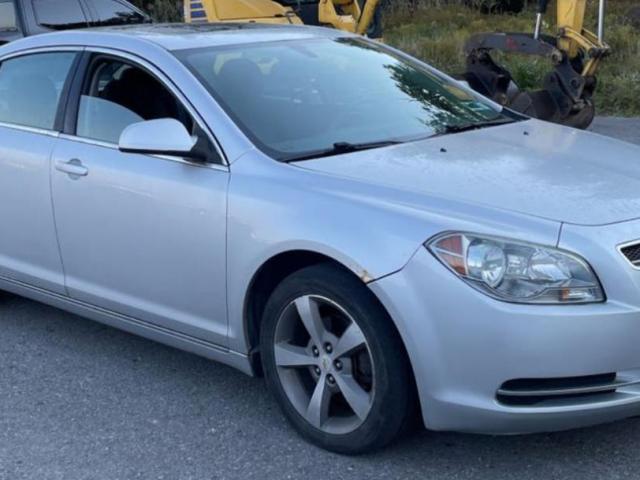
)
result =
(517, 272)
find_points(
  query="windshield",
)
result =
(296, 98)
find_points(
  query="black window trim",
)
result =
(83, 75)
(58, 124)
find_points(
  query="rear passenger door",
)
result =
(31, 89)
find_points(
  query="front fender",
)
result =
(374, 231)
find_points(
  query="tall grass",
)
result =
(436, 30)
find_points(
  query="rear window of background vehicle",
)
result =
(59, 14)
(7, 15)
(112, 12)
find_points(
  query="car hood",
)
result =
(531, 167)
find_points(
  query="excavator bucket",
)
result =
(574, 55)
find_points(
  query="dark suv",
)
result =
(22, 18)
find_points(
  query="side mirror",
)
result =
(165, 136)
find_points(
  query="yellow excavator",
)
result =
(575, 55)
(353, 16)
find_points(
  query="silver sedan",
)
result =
(372, 236)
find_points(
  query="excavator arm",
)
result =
(369, 18)
(348, 15)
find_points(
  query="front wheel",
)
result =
(334, 361)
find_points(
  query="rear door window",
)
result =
(59, 14)
(8, 19)
(31, 87)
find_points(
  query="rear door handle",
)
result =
(73, 167)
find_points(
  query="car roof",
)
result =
(178, 36)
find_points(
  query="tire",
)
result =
(344, 305)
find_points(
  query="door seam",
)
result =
(53, 214)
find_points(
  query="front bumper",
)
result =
(464, 346)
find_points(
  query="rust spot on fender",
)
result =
(365, 276)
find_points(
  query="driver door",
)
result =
(142, 236)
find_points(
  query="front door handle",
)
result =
(73, 167)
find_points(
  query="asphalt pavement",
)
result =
(79, 400)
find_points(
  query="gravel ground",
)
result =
(622, 128)
(79, 400)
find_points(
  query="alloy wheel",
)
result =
(324, 364)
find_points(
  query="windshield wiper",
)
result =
(340, 148)
(465, 127)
